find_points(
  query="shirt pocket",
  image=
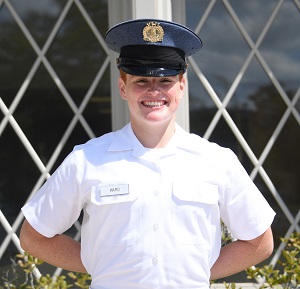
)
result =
(195, 212)
(115, 216)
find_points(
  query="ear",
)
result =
(122, 87)
(182, 86)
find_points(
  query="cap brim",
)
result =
(151, 71)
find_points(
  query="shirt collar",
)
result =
(126, 140)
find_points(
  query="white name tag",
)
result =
(115, 189)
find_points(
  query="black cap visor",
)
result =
(154, 61)
(150, 71)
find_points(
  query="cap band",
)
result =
(150, 71)
(150, 57)
(121, 62)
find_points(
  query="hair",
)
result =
(123, 75)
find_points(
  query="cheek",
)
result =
(127, 93)
(177, 95)
(138, 90)
(131, 96)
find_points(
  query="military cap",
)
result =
(152, 47)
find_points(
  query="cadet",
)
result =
(152, 194)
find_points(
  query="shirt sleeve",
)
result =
(58, 203)
(243, 208)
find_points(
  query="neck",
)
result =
(152, 136)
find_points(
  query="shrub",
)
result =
(287, 275)
(24, 279)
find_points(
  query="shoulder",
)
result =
(200, 146)
(103, 141)
(102, 149)
(118, 140)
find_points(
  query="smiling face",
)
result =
(152, 100)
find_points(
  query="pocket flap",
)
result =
(199, 192)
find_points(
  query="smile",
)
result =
(154, 103)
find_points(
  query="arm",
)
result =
(240, 255)
(60, 250)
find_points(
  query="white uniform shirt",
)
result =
(151, 217)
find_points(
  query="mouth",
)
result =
(154, 103)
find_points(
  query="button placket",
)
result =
(155, 217)
(155, 227)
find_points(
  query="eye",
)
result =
(166, 80)
(141, 81)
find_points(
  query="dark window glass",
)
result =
(53, 93)
(260, 89)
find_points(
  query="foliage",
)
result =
(27, 280)
(230, 286)
(226, 235)
(287, 276)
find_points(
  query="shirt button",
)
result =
(155, 227)
(155, 193)
(154, 261)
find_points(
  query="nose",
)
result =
(154, 88)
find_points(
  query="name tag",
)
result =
(115, 189)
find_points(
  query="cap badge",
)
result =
(153, 32)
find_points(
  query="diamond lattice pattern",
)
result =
(74, 93)
(205, 89)
(224, 81)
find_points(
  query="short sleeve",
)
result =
(58, 203)
(243, 208)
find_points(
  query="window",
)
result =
(244, 93)
(55, 93)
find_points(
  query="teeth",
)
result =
(153, 103)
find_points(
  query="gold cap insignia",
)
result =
(153, 32)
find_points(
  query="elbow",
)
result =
(267, 244)
(270, 248)
(24, 238)
(267, 251)
(262, 247)
(24, 244)
(29, 237)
